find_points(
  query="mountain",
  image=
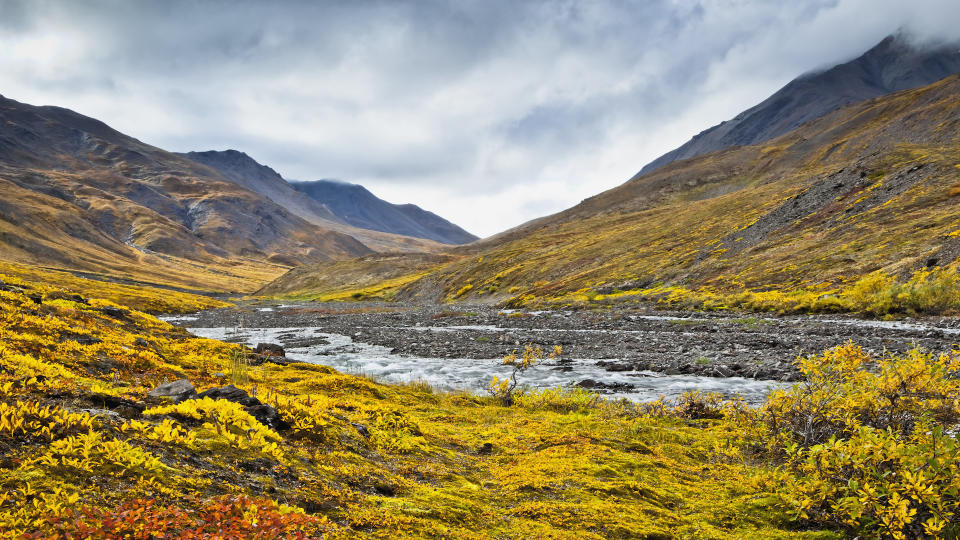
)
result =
(249, 173)
(83, 196)
(355, 205)
(871, 186)
(891, 66)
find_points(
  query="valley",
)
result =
(756, 336)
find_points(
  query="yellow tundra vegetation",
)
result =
(84, 454)
(925, 292)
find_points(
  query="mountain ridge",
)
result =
(819, 207)
(892, 65)
(248, 172)
(85, 196)
(356, 205)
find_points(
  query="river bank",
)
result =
(633, 353)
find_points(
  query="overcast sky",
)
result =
(488, 113)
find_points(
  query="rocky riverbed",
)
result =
(597, 345)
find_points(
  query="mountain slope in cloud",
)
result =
(891, 66)
(355, 204)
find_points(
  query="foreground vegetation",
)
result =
(86, 454)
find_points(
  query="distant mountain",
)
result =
(81, 195)
(249, 173)
(355, 205)
(872, 186)
(891, 66)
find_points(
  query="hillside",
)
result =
(865, 188)
(82, 196)
(355, 204)
(363, 278)
(247, 172)
(891, 66)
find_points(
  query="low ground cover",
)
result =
(86, 453)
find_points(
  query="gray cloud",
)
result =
(487, 112)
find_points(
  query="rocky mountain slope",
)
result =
(247, 172)
(355, 204)
(872, 186)
(891, 66)
(83, 196)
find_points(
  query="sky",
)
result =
(489, 113)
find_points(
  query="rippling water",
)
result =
(345, 355)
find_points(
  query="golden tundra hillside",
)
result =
(80, 195)
(872, 187)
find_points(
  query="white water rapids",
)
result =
(344, 354)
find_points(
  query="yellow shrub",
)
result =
(87, 455)
(840, 395)
(26, 418)
(867, 445)
(226, 422)
(308, 418)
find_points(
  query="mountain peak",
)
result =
(237, 166)
(359, 207)
(896, 63)
(331, 201)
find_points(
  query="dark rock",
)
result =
(230, 393)
(140, 342)
(361, 429)
(180, 390)
(125, 407)
(485, 449)
(269, 349)
(82, 339)
(257, 360)
(37, 298)
(265, 414)
(722, 371)
(602, 386)
(113, 312)
(268, 416)
(614, 366)
(385, 489)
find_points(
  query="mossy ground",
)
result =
(360, 458)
